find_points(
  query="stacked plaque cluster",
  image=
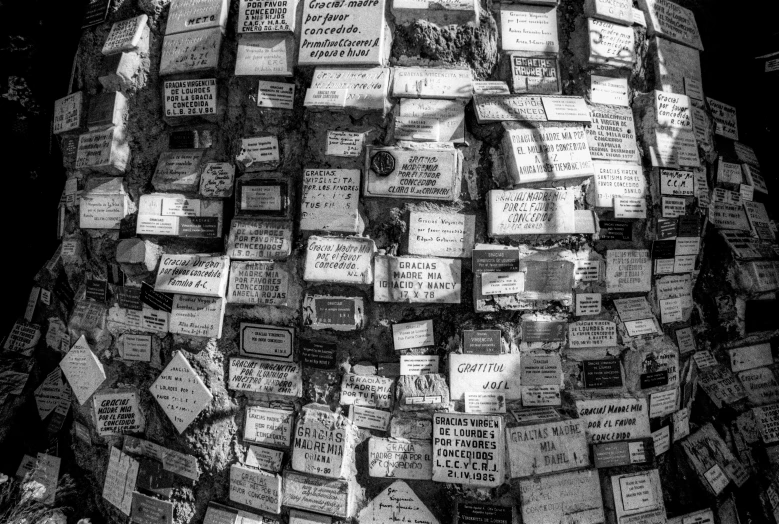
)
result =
(425, 262)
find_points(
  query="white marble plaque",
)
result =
(105, 151)
(339, 260)
(725, 119)
(672, 110)
(269, 427)
(180, 392)
(672, 21)
(102, 211)
(638, 493)
(83, 370)
(611, 44)
(190, 97)
(566, 108)
(410, 335)
(677, 183)
(485, 403)
(619, 11)
(546, 448)
(117, 413)
(330, 201)
(449, 116)
(258, 152)
(588, 304)
(419, 82)
(402, 459)
(396, 504)
(217, 178)
(617, 180)
(359, 89)
(412, 172)
(279, 95)
(529, 28)
(366, 390)
(260, 16)
(628, 270)
(193, 275)
(120, 478)
(608, 90)
(259, 376)
(267, 342)
(197, 316)
(258, 283)
(748, 357)
(612, 135)
(629, 207)
(255, 488)
(572, 497)
(422, 280)
(191, 15)
(344, 143)
(608, 420)
(257, 239)
(369, 418)
(68, 113)
(343, 33)
(592, 333)
(441, 235)
(491, 373)
(264, 458)
(546, 153)
(452, 434)
(729, 216)
(509, 108)
(124, 35)
(323, 444)
(329, 496)
(53, 394)
(530, 212)
(191, 52)
(265, 55)
(419, 364)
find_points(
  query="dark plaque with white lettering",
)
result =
(666, 228)
(623, 453)
(689, 226)
(128, 225)
(153, 477)
(654, 379)
(69, 147)
(482, 341)
(473, 513)
(615, 230)
(97, 289)
(199, 227)
(319, 355)
(662, 249)
(129, 298)
(543, 331)
(761, 315)
(63, 291)
(96, 12)
(602, 374)
(184, 139)
(261, 197)
(495, 260)
(155, 299)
